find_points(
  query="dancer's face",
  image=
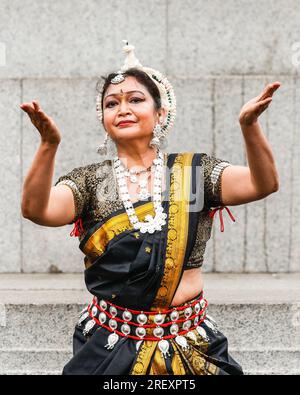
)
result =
(129, 100)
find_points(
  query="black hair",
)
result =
(140, 76)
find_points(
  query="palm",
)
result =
(45, 125)
(256, 106)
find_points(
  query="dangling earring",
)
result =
(102, 150)
(164, 143)
(108, 149)
(157, 132)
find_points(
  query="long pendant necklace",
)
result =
(152, 223)
(143, 192)
(142, 181)
(132, 174)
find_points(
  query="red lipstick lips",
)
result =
(124, 123)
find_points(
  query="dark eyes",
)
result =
(134, 100)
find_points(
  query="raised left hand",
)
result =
(256, 106)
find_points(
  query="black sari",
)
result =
(142, 271)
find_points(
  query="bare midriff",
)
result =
(191, 284)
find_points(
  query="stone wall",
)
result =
(217, 54)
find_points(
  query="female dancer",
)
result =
(143, 217)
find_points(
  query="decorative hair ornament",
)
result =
(168, 99)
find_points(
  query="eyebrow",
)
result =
(117, 94)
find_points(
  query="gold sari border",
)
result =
(96, 244)
(177, 234)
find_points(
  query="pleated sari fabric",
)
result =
(142, 271)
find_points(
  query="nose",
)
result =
(124, 107)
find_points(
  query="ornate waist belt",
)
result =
(145, 325)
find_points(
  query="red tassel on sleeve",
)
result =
(78, 228)
(213, 212)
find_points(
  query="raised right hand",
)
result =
(45, 125)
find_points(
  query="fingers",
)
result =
(263, 105)
(252, 109)
(269, 90)
(265, 101)
(26, 106)
(38, 109)
(32, 109)
(33, 105)
(36, 105)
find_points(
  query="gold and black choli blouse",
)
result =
(96, 196)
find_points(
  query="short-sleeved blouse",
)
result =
(96, 196)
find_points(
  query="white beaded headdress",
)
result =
(168, 99)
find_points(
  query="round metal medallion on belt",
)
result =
(158, 331)
(140, 332)
(159, 319)
(174, 315)
(197, 308)
(113, 311)
(142, 319)
(188, 312)
(125, 328)
(174, 328)
(113, 324)
(127, 316)
(186, 325)
(94, 311)
(103, 304)
(102, 317)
